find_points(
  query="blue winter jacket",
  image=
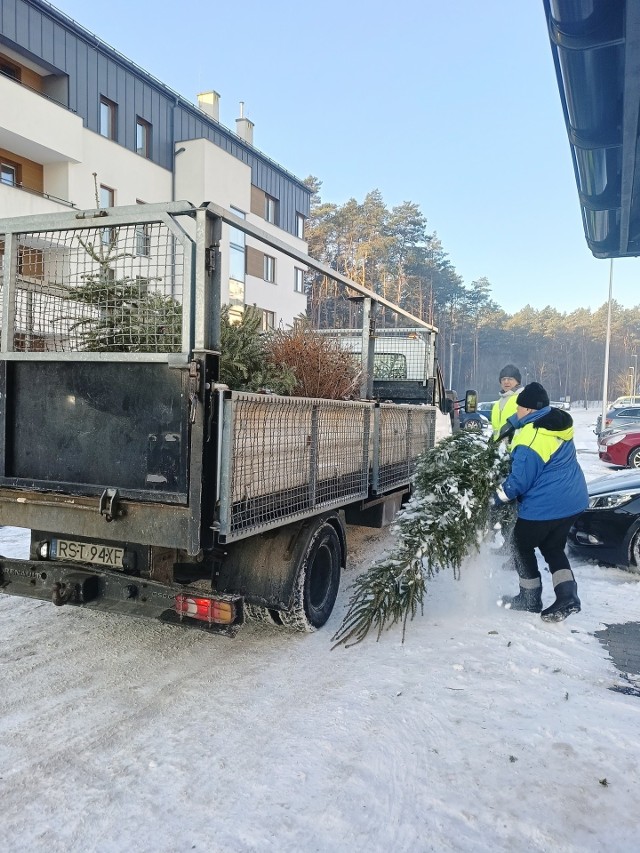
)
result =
(545, 477)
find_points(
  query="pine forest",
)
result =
(392, 252)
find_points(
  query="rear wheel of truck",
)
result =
(317, 581)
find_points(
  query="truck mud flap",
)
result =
(113, 592)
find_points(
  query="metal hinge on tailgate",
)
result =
(109, 504)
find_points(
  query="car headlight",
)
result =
(611, 500)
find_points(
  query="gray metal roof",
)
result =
(596, 51)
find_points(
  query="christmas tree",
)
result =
(446, 517)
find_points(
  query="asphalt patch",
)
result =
(623, 644)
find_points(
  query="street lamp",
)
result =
(634, 387)
(451, 346)
(632, 383)
(605, 379)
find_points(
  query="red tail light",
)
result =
(206, 609)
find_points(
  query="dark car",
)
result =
(609, 530)
(474, 421)
(620, 447)
(618, 417)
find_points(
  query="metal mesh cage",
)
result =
(291, 456)
(402, 433)
(97, 289)
(399, 353)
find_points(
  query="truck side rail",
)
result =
(401, 434)
(286, 458)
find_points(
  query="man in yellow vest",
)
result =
(510, 387)
(549, 486)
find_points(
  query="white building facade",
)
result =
(82, 127)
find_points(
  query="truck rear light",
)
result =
(212, 610)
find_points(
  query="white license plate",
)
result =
(87, 552)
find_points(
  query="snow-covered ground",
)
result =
(488, 730)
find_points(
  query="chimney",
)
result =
(209, 103)
(244, 127)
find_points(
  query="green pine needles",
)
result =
(445, 518)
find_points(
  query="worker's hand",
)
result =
(499, 498)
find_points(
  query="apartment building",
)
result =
(79, 120)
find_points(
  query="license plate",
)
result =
(87, 552)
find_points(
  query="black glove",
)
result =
(507, 431)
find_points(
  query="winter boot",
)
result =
(566, 603)
(527, 599)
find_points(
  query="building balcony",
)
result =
(21, 201)
(36, 127)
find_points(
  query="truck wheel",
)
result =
(317, 582)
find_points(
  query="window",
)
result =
(269, 268)
(389, 365)
(30, 262)
(237, 261)
(268, 320)
(143, 138)
(300, 226)
(271, 209)
(9, 69)
(108, 115)
(298, 280)
(107, 199)
(143, 240)
(143, 237)
(107, 196)
(9, 174)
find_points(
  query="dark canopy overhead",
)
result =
(596, 51)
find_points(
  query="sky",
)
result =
(453, 106)
(487, 731)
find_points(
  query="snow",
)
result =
(487, 730)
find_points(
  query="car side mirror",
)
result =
(471, 402)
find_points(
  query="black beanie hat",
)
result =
(512, 371)
(533, 396)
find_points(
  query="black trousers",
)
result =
(550, 537)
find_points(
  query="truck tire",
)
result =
(317, 581)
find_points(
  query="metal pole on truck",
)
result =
(451, 346)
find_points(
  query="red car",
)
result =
(621, 448)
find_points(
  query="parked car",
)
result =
(609, 530)
(606, 433)
(621, 402)
(620, 447)
(618, 417)
(474, 421)
(560, 404)
(485, 408)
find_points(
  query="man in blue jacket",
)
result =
(551, 491)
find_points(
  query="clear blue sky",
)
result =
(451, 105)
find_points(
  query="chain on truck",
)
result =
(150, 488)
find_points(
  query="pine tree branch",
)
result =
(442, 522)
